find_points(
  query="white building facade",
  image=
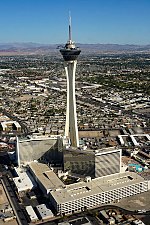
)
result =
(90, 198)
(90, 193)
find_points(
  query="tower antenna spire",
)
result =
(70, 34)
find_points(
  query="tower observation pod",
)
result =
(70, 54)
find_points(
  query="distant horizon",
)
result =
(93, 21)
(32, 42)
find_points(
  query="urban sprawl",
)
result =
(46, 180)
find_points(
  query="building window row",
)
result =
(105, 197)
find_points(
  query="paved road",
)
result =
(89, 213)
(13, 201)
(22, 220)
(124, 211)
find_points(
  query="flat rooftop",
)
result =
(65, 193)
(99, 151)
(107, 150)
(37, 138)
(98, 185)
(46, 176)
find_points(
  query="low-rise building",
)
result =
(31, 213)
(102, 190)
(45, 177)
(23, 181)
(44, 212)
(90, 193)
(10, 125)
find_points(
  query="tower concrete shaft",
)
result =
(71, 128)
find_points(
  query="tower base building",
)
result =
(97, 163)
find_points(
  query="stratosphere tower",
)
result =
(70, 54)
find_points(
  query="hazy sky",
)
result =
(93, 21)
